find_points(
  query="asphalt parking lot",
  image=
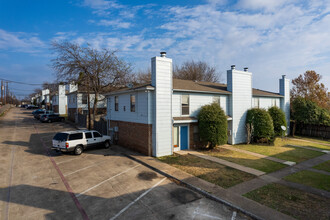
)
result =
(36, 183)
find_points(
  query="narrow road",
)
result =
(36, 183)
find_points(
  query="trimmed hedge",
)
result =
(212, 124)
(262, 125)
(278, 117)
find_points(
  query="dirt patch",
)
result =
(147, 175)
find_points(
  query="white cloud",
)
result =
(270, 37)
(102, 4)
(19, 41)
(114, 23)
(268, 5)
(288, 41)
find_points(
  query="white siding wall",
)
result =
(240, 84)
(196, 101)
(266, 102)
(285, 101)
(61, 100)
(72, 100)
(141, 108)
(161, 74)
(100, 104)
(55, 100)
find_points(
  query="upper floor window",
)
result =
(256, 103)
(84, 99)
(116, 103)
(185, 105)
(274, 102)
(216, 99)
(132, 103)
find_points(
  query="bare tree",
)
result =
(141, 77)
(199, 71)
(99, 70)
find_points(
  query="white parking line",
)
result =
(85, 168)
(137, 199)
(79, 194)
(65, 161)
(207, 215)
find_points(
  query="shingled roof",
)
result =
(197, 86)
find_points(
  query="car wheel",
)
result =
(78, 150)
(107, 144)
(49, 121)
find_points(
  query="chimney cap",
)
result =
(283, 76)
(232, 67)
(163, 54)
(246, 69)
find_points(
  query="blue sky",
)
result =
(272, 37)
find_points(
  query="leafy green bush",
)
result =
(261, 125)
(278, 117)
(212, 124)
(307, 112)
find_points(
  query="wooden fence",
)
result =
(311, 130)
(100, 124)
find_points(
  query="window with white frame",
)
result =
(256, 102)
(116, 103)
(84, 99)
(132, 103)
(216, 99)
(185, 105)
(274, 102)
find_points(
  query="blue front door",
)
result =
(184, 137)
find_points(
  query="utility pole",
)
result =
(1, 88)
(5, 95)
(7, 92)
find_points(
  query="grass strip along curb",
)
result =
(4, 110)
(194, 188)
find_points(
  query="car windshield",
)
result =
(61, 137)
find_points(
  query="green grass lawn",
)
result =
(320, 140)
(293, 202)
(245, 159)
(323, 166)
(306, 144)
(207, 170)
(310, 178)
(281, 150)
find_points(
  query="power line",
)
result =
(27, 90)
(31, 84)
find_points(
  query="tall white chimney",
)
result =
(161, 79)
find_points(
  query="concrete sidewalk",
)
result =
(297, 139)
(217, 193)
(290, 163)
(223, 162)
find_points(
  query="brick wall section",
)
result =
(135, 136)
(194, 142)
(55, 108)
(71, 114)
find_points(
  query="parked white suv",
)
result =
(77, 141)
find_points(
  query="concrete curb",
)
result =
(194, 188)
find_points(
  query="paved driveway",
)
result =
(99, 184)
